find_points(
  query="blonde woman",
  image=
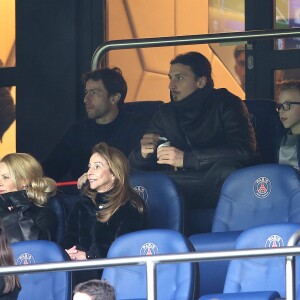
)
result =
(108, 208)
(24, 194)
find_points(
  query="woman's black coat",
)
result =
(23, 220)
(94, 237)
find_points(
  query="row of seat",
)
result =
(249, 278)
(256, 195)
(243, 278)
(247, 195)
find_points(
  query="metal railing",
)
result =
(152, 261)
(190, 40)
(290, 268)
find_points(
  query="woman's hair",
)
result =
(286, 85)
(6, 259)
(27, 173)
(121, 191)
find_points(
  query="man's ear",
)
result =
(202, 82)
(115, 98)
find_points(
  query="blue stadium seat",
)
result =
(256, 195)
(174, 281)
(57, 206)
(267, 127)
(45, 285)
(164, 203)
(246, 276)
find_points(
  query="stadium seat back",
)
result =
(261, 274)
(164, 203)
(174, 281)
(256, 195)
(44, 285)
(57, 206)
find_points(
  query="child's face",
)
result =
(291, 118)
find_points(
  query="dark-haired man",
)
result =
(94, 290)
(7, 109)
(239, 67)
(208, 129)
(105, 92)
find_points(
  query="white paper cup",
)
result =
(166, 144)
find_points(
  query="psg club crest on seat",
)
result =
(149, 249)
(142, 192)
(25, 259)
(262, 187)
(274, 241)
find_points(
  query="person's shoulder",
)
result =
(125, 208)
(83, 204)
(82, 125)
(79, 130)
(165, 109)
(225, 95)
(17, 198)
(129, 119)
(127, 115)
(131, 208)
(226, 100)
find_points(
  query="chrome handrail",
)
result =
(151, 262)
(290, 268)
(190, 40)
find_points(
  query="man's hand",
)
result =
(149, 143)
(170, 156)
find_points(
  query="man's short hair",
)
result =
(197, 62)
(112, 79)
(238, 50)
(96, 289)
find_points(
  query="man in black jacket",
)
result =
(208, 133)
(106, 90)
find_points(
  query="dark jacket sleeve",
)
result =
(125, 220)
(23, 220)
(240, 143)
(131, 221)
(71, 236)
(136, 159)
